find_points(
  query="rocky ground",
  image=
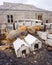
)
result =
(42, 57)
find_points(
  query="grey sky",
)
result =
(45, 4)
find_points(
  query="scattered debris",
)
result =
(34, 53)
(35, 61)
(49, 48)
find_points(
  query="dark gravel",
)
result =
(42, 57)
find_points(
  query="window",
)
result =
(10, 18)
(46, 21)
(39, 17)
(42, 23)
(8, 21)
(36, 21)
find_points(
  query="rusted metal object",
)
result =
(49, 48)
(2, 36)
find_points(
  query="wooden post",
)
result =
(14, 26)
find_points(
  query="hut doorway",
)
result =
(24, 52)
(36, 46)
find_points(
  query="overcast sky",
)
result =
(44, 4)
